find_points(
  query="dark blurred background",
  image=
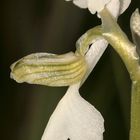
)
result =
(29, 26)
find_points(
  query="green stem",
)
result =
(127, 51)
(135, 112)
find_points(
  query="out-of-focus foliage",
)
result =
(29, 26)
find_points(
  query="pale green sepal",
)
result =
(49, 69)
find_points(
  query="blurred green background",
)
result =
(29, 26)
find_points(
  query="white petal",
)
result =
(74, 119)
(124, 5)
(96, 5)
(117, 7)
(81, 3)
(94, 54)
(114, 7)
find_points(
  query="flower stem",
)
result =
(135, 112)
(127, 51)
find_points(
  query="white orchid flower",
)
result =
(74, 118)
(115, 7)
(72, 103)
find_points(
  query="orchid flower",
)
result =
(73, 115)
(74, 118)
(115, 7)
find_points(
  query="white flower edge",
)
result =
(124, 5)
(115, 7)
(95, 52)
(74, 119)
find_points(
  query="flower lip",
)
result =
(71, 112)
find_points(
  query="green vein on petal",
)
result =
(49, 69)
